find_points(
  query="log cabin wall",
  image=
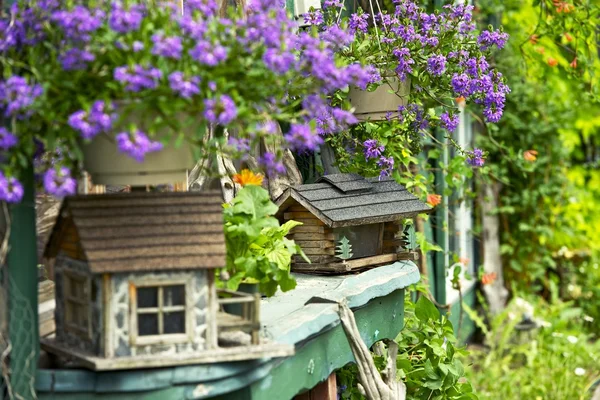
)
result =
(316, 239)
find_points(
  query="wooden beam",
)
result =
(264, 350)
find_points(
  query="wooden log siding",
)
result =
(317, 240)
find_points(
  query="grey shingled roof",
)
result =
(349, 200)
(145, 231)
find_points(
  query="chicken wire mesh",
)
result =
(17, 339)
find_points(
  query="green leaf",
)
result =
(426, 310)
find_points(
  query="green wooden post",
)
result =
(23, 291)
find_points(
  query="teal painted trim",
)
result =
(381, 282)
(468, 328)
(23, 329)
(321, 356)
(132, 381)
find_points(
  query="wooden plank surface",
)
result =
(248, 352)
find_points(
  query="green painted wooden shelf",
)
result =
(306, 317)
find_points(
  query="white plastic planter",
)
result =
(376, 105)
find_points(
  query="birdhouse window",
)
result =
(365, 240)
(77, 298)
(160, 313)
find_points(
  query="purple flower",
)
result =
(334, 3)
(11, 190)
(90, 124)
(59, 182)
(137, 46)
(206, 8)
(372, 149)
(136, 144)
(314, 17)
(460, 84)
(185, 88)
(387, 166)
(76, 59)
(169, 47)
(271, 164)
(139, 78)
(488, 39)
(450, 122)
(301, 138)
(475, 158)
(78, 23)
(7, 139)
(206, 53)
(436, 64)
(337, 37)
(125, 20)
(241, 145)
(277, 61)
(16, 96)
(358, 23)
(221, 111)
(404, 62)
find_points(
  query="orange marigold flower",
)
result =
(434, 199)
(247, 177)
(553, 62)
(563, 7)
(533, 39)
(530, 155)
(569, 37)
(488, 279)
(573, 63)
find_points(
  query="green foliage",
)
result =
(257, 249)
(549, 201)
(429, 361)
(344, 249)
(554, 362)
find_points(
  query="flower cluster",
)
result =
(440, 55)
(91, 123)
(245, 70)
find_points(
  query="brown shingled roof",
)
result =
(145, 231)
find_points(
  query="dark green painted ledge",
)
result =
(305, 317)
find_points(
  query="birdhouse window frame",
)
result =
(77, 298)
(160, 310)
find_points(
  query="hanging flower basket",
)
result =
(108, 166)
(378, 104)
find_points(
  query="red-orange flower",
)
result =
(540, 49)
(489, 278)
(573, 63)
(533, 39)
(530, 155)
(568, 36)
(553, 62)
(434, 199)
(247, 177)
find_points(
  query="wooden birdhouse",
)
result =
(135, 284)
(350, 222)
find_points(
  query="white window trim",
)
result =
(167, 338)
